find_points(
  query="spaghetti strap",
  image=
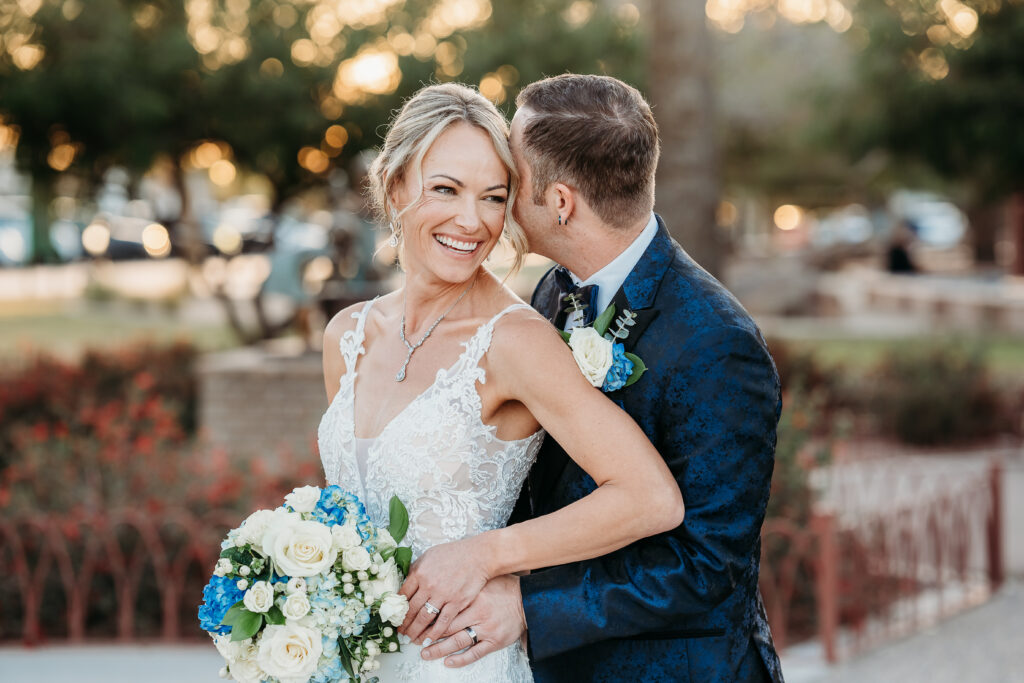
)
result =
(480, 342)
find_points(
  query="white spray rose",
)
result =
(296, 606)
(289, 652)
(345, 536)
(223, 567)
(387, 581)
(259, 598)
(592, 352)
(355, 559)
(303, 498)
(296, 584)
(302, 548)
(385, 541)
(393, 608)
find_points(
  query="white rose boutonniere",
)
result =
(599, 353)
(592, 352)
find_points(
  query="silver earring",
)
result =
(395, 226)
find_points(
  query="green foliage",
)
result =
(941, 397)
(398, 519)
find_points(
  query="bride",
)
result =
(442, 391)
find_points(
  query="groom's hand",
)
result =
(497, 618)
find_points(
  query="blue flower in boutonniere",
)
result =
(600, 355)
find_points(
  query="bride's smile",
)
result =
(453, 210)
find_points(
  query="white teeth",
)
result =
(456, 244)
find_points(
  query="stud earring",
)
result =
(559, 219)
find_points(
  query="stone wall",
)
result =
(255, 401)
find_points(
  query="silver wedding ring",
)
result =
(430, 608)
(472, 634)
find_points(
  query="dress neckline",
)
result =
(351, 374)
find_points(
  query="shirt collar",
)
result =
(610, 278)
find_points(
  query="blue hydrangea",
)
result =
(336, 505)
(218, 597)
(620, 370)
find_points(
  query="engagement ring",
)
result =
(430, 608)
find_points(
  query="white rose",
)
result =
(387, 581)
(269, 526)
(231, 650)
(290, 652)
(247, 670)
(393, 608)
(254, 526)
(345, 536)
(302, 548)
(592, 352)
(355, 559)
(296, 584)
(259, 598)
(296, 606)
(303, 498)
(385, 541)
(223, 567)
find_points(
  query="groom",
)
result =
(683, 605)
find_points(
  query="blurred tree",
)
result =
(680, 58)
(943, 85)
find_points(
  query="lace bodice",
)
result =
(455, 476)
(452, 472)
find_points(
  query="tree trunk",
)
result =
(1015, 221)
(682, 95)
(984, 222)
(42, 198)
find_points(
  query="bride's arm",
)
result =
(636, 495)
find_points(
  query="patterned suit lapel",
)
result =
(638, 294)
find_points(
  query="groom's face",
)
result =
(535, 218)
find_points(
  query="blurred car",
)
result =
(934, 220)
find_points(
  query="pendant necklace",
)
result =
(412, 347)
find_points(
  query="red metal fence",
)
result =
(862, 574)
(850, 578)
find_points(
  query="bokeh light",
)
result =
(788, 217)
(96, 238)
(156, 240)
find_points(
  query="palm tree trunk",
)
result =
(682, 95)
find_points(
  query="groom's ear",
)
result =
(564, 199)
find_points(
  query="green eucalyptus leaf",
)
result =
(565, 335)
(604, 320)
(638, 368)
(398, 519)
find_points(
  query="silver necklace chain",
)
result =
(412, 347)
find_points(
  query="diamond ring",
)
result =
(430, 608)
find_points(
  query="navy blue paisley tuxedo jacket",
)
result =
(683, 605)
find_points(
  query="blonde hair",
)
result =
(414, 129)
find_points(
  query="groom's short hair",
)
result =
(596, 134)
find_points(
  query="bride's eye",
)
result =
(498, 199)
(444, 189)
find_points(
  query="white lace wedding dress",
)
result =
(456, 478)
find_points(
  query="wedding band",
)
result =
(430, 608)
(472, 634)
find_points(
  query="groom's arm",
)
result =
(716, 431)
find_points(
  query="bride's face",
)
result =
(452, 227)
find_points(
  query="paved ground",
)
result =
(985, 645)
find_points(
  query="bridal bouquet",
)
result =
(308, 593)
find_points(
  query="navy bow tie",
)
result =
(568, 291)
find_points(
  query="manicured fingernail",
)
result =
(426, 642)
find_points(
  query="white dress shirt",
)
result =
(610, 278)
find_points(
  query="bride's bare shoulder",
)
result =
(347, 319)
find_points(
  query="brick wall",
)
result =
(254, 401)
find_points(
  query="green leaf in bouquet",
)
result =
(387, 554)
(565, 335)
(274, 616)
(246, 626)
(403, 558)
(604, 320)
(399, 519)
(346, 659)
(232, 616)
(638, 368)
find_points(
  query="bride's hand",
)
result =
(448, 578)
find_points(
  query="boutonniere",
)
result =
(599, 353)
